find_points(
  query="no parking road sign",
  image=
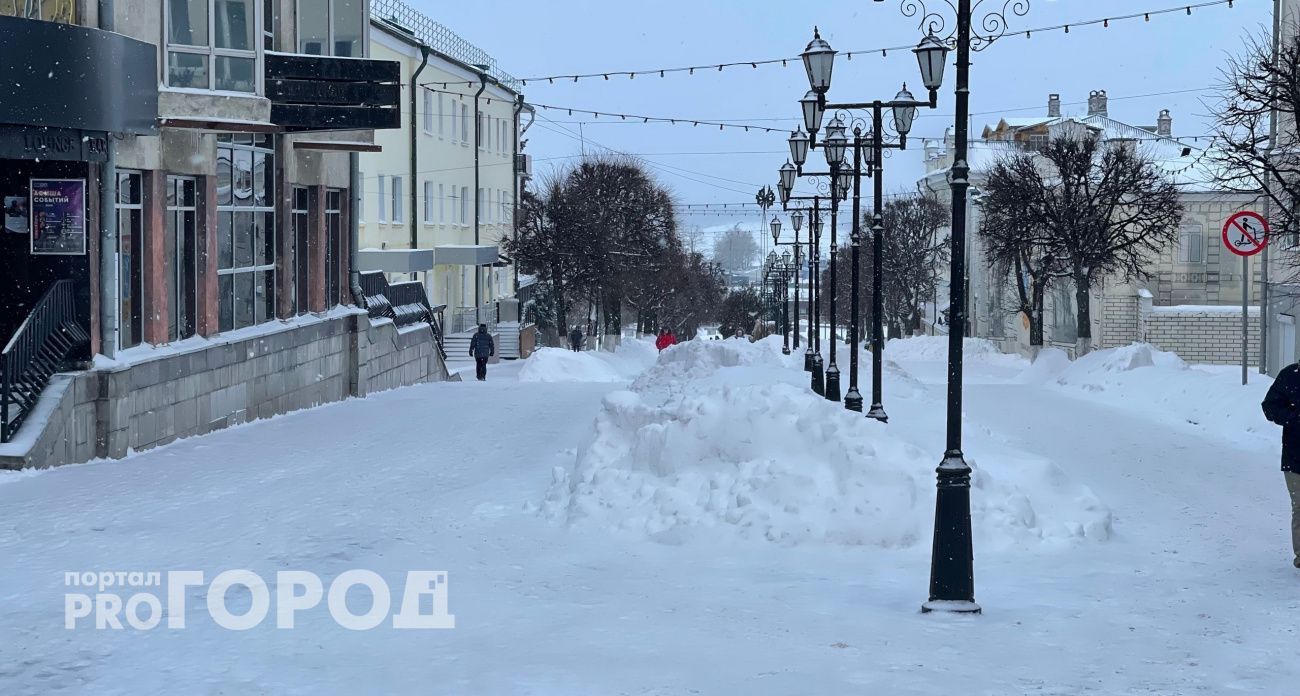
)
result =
(1245, 233)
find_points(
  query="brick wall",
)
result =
(1203, 337)
(1119, 321)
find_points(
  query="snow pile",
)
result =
(935, 349)
(560, 365)
(1143, 378)
(732, 453)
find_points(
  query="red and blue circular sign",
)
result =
(1245, 233)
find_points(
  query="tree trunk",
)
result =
(561, 317)
(1038, 291)
(1082, 285)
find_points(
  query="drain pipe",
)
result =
(478, 196)
(424, 60)
(354, 229)
(514, 202)
(108, 301)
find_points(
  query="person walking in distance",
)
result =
(663, 341)
(1282, 406)
(481, 348)
(575, 339)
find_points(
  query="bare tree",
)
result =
(1251, 153)
(914, 247)
(736, 250)
(1102, 209)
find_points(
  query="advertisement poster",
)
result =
(16, 214)
(58, 216)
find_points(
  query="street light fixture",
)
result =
(796, 219)
(799, 142)
(776, 229)
(818, 60)
(787, 173)
(903, 114)
(932, 57)
(814, 110)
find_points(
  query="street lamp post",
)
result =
(787, 271)
(952, 564)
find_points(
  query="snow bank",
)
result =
(706, 444)
(935, 349)
(560, 365)
(1158, 384)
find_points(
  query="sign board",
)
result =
(58, 216)
(1245, 233)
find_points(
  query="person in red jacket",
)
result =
(665, 339)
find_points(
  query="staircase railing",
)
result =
(405, 303)
(36, 351)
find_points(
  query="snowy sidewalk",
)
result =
(1191, 595)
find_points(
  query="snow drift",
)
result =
(706, 443)
(560, 365)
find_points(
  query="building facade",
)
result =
(1195, 274)
(448, 179)
(190, 264)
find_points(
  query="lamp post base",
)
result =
(877, 412)
(785, 350)
(947, 606)
(808, 360)
(833, 383)
(853, 400)
(818, 377)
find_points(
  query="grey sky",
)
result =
(1172, 52)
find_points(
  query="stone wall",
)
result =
(182, 392)
(1210, 337)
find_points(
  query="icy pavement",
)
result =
(1190, 592)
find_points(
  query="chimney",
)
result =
(1097, 103)
(1165, 124)
(1053, 106)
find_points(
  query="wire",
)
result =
(605, 75)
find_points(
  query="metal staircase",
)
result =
(405, 303)
(47, 341)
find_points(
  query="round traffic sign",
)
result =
(1245, 233)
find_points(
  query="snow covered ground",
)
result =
(613, 524)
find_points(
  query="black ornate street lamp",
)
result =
(952, 564)
(765, 198)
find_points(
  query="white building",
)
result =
(439, 195)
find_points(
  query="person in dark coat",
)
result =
(481, 348)
(1282, 406)
(575, 339)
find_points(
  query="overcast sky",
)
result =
(1138, 63)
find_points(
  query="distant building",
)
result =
(1193, 273)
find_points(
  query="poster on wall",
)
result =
(16, 215)
(58, 216)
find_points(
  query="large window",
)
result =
(1191, 244)
(464, 205)
(245, 230)
(130, 241)
(182, 220)
(332, 27)
(64, 11)
(397, 200)
(428, 111)
(333, 245)
(428, 202)
(211, 44)
(442, 115)
(300, 217)
(464, 124)
(381, 201)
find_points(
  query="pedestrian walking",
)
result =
(575, 339)
(663, 341)
(1282, 406)
(740, 333)
(481, 347)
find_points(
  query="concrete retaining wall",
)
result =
(110, 411)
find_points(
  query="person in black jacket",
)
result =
(1282, 406)
(481, 348)
(575, 339)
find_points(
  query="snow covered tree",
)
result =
(740, 309)
(915, 246)
(736, 250)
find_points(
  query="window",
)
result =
(300, 218)
(442, 116)
(1191, 244)
(501, 138)
(491, 209)
(211, 45)
(464, 124)
(130, 235)
(382, 206)
(428, 111)
(1065, 317)
(455, 120)
(397, 199)
(478, 131)
(268, 25)
(333, 246)
(428, 202)
(505, 209)
(478, 206)
(182, 219)
(455, 217)
(464, 205)
(338, 30)
(245, 230)
(63, 12)
(442, 209)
